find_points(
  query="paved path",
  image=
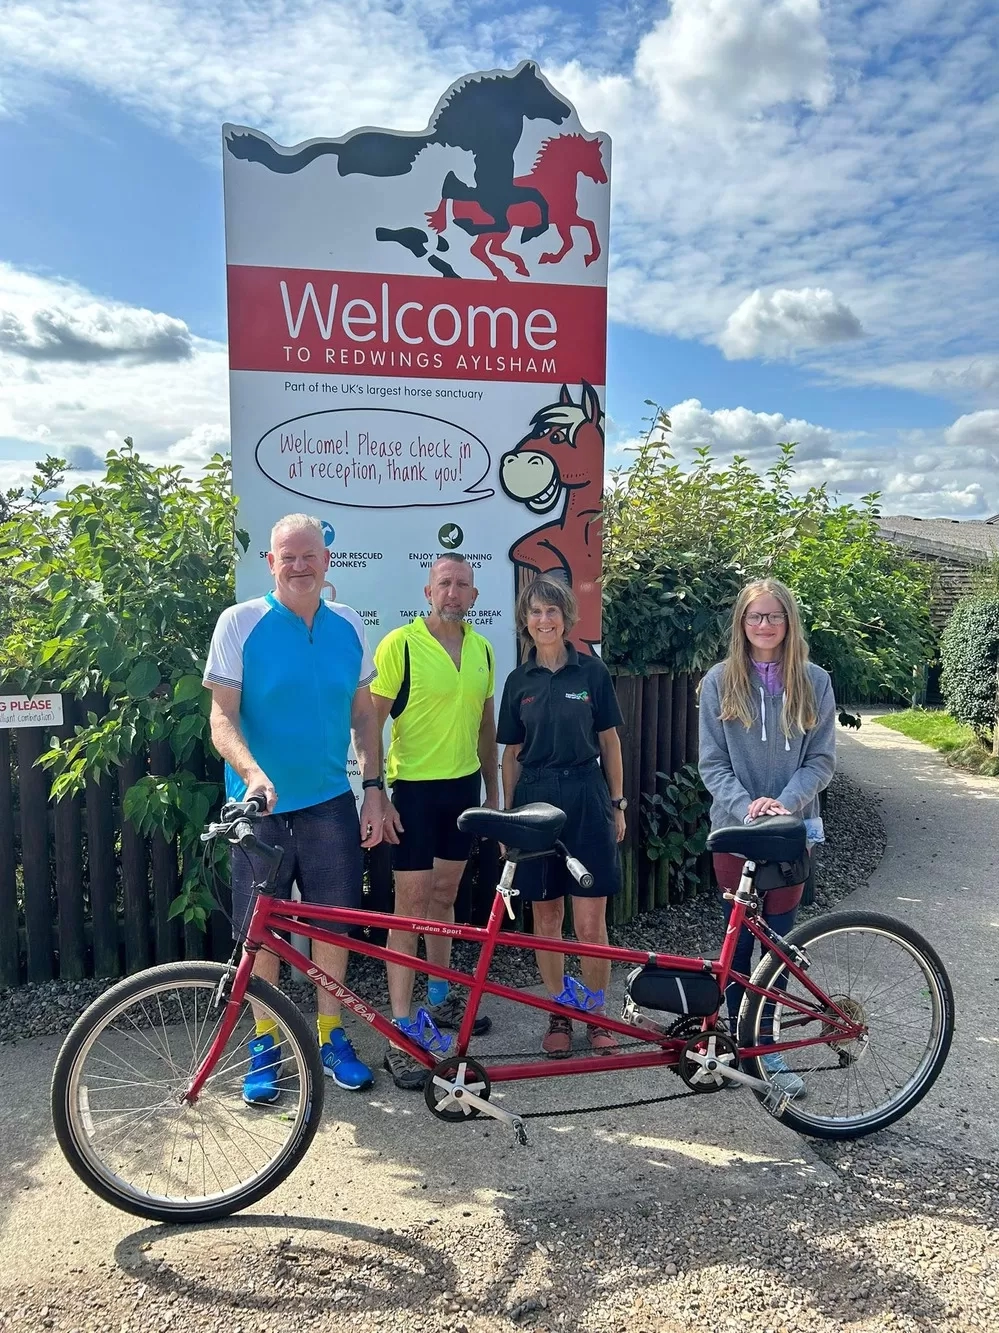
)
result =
(940, 872)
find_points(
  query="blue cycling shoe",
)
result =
(260, 1085)
(341, 1064)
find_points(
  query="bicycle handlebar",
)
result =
(579, 872)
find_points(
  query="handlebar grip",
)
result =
(579, 872)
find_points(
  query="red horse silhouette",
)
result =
(561, 462)
(555, 173)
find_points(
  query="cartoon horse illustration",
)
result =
(561, 463)
(484, 116)
(557, 167)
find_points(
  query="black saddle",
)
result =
(529, 828)
(772, 838)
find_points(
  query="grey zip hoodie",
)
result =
(739, 764)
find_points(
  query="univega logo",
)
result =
(341, 993)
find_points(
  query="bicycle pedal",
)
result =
(520, 1129)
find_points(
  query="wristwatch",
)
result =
(373, 782)
(620, 804)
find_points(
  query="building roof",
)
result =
(971, 540)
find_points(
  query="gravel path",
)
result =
(904, 1240)
(855, 843)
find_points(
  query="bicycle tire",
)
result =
(74, 1088)
(799, 1114)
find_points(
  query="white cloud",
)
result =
(118, 374)
(967, 378)
(786, 321)
(947, 473)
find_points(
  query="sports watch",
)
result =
(621, 803)
(373, 782)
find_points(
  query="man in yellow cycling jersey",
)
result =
(435, 679)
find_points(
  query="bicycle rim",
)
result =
(150, 1150)
(881, 978)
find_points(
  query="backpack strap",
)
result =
(402, 698)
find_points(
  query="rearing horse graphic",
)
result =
(484, 116)
(561, 463)
(557, 167)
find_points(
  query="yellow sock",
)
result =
(266, 1027)
(326, 1023)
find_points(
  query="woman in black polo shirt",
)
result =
(558, 721)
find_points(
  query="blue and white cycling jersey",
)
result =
(297, 688)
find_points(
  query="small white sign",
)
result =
(21, 710)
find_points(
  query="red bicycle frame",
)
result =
(271, 915)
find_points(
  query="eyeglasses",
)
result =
(758, 617)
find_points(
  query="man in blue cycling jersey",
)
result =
(289, 676)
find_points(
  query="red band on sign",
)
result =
(321, 322)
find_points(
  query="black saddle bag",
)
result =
(781, 874)
(674, 991)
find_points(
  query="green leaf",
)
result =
(142, 679)
(187, 688)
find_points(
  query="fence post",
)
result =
(68, 838)
(649, 742)
(163, 855)
(10, 963)
(135, 886)
(34, 787)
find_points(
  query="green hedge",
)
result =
(969, 653)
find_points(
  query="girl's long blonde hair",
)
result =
(739, 682)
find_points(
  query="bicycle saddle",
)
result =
(772, 838)
(529, 828)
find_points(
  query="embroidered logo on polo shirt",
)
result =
(527, 699)
(583, 696)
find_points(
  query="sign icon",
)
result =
(329, 533)
(450, 536)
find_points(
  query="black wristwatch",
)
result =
(373, 782)
(621, 803)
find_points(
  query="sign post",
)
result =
(417, 332)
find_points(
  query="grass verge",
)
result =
(940, 731)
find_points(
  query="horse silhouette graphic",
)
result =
(482, 115)
(560, 463)
(557, 167)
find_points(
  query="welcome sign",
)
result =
(417, 330)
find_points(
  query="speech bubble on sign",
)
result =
(376, 458)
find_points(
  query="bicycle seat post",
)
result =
(505, 886)
(746, 892)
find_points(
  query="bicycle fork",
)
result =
(237, 980)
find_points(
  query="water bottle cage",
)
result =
(576, 995)
(424, 1031)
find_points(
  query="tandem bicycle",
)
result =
(147, 1089)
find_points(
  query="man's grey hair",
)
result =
(453, 558)
(296, 523)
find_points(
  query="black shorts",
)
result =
(589, 833)
(322, 855)
(429, 812)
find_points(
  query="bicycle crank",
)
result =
(458, 1088)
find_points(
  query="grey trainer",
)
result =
(449, 1013)
(406, 1072)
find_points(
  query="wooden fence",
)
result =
(83, 894)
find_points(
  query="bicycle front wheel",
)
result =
(119, 1081)
(882, 974)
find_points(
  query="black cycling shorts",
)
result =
(322, 855)
(589, 833)
(429, 812)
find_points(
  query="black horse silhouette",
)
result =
(484, 116)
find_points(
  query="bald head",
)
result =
(451, 591)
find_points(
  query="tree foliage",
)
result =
(969, 653)
(113, 591)
(679, 544)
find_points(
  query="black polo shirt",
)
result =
(554, 716)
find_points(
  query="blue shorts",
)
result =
(322, 855)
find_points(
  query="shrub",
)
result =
(969, 654)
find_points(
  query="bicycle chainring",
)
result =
(714, 1043)
(451, 1076)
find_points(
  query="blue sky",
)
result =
(805, 239)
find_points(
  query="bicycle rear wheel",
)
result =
(883, 974)
(120, 1076)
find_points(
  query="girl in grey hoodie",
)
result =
(767, 747)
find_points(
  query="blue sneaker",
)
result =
(783, 1077)
(342, 1065)
(260, 1085)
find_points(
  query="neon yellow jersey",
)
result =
(437, 709)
